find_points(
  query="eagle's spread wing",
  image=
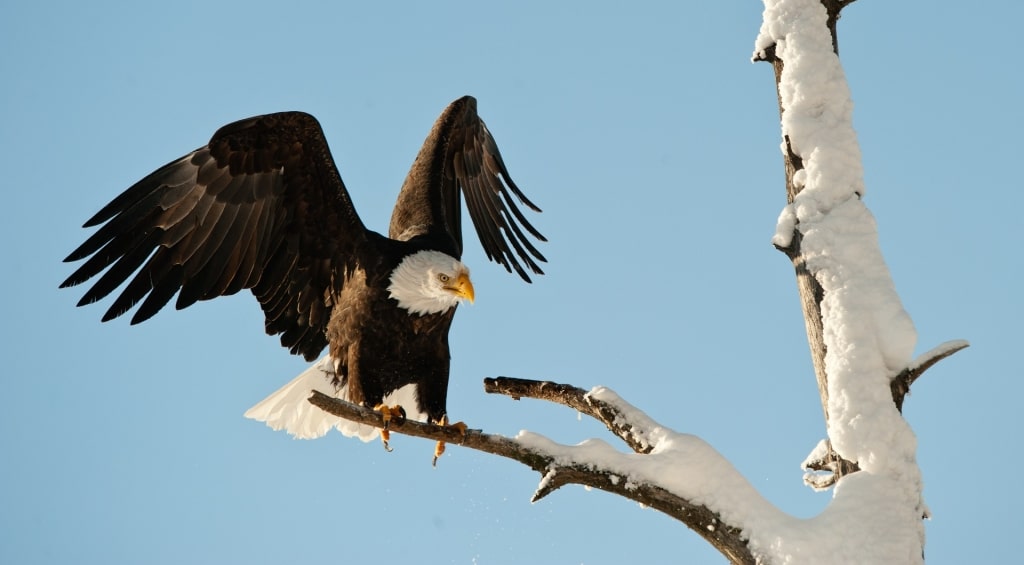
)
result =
(460, 157)
(262, 207)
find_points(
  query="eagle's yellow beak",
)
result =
(463, 287)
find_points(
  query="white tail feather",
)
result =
(288, 408)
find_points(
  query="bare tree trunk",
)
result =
(810, 290)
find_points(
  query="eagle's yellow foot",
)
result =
(439, 448)
(389, 413)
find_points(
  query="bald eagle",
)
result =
(263, 207)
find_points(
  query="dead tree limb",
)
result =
(704, 521)
(575, 398)
(901, 383)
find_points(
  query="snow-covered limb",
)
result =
(825, 467)
(677, 474)
(900, 385)
(936, 354)
(685, 478)
(602, 404)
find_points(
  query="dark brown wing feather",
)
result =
(460, 157)
(261, 207)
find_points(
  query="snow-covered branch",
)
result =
(901, 383)
(598, 404)
(677, 474)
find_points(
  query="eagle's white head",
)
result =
(430, 282)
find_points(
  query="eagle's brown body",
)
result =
(377, 347)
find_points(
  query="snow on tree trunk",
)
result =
(868, 337)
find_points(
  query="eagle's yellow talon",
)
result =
(439, 448)
(388, 413)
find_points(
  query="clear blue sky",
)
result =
(650, 141)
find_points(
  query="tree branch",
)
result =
(829, 467)
(834, 9)
(900, 384)
(575, 398)
(727, 538)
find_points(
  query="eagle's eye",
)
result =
(443, 278)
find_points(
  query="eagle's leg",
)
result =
(439, 448)
(389, 413)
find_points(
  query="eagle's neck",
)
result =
(416, 286)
